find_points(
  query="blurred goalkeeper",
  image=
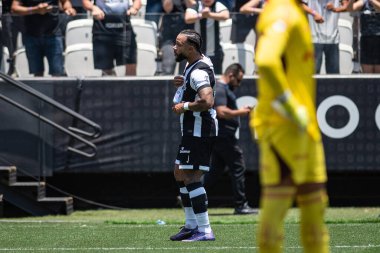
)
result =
(292, 165)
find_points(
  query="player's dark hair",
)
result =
(235, 69)
(193, 38)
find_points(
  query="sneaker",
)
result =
(246, 209)
(200, 236)
(184, 233)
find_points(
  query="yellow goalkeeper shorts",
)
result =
(287, 146)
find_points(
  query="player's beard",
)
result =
(180, 57)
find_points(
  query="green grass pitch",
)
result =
(136, 230)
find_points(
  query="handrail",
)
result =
(97, 129)
(70, 131)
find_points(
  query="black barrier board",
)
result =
(141, 133)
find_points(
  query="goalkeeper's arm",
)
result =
(288, 107)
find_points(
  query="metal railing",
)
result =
(73, 132)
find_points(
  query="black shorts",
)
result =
(194, 153)
(370, 50)
(105, 52)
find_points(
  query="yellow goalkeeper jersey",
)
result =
(285, 60)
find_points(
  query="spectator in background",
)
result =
(153, 10)
(323, 20)
(12, 26)
(370, 34)
(226, 151)
(42, 35)
(172, 23)
(113, 37)
(206, 14)
(78, 6)
(245, 21)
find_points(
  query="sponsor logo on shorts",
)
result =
(183, 151)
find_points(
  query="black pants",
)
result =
(227, 153)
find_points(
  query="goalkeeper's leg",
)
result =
(275, 202)
(314, 235)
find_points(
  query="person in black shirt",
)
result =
(193, 102)
(172, 23)
(226, 151)
(113, 37)
(206, 15)
(43, 36)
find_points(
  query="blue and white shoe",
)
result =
(200, 236)
(184, 233)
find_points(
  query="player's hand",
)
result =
(97, 13)
(178, 81)
(206, 12)
(43, 8)
(288, 107)
(318, 18)
(178, 108)
(71, 12)
(330, 6)
(246, 109)
(132, 11)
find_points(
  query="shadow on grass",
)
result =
(221, 214)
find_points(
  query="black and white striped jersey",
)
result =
(198, 76)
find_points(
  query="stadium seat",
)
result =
(146, 61)
(19, 43)
(79, 61)
(146, 31)
(22, 66)
(251, 38)
(79, 31)
(225, 30)
(4, 63)
(347, 16)
(346, 55)
(239, 53)
(345, 32)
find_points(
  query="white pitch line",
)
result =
(44, 221)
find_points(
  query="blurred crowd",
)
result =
(34, 35)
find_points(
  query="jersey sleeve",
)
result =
(199, 79)
(274, 35)
(220, 96)
(219, 7)
(192, 9)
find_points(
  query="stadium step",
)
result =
(28, 198)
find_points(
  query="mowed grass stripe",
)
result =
(136, 231)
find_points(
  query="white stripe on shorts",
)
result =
(186, 167)
(197, 192)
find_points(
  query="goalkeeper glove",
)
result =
(289, 108)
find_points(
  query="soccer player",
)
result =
(292, 164)
(193, 101)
